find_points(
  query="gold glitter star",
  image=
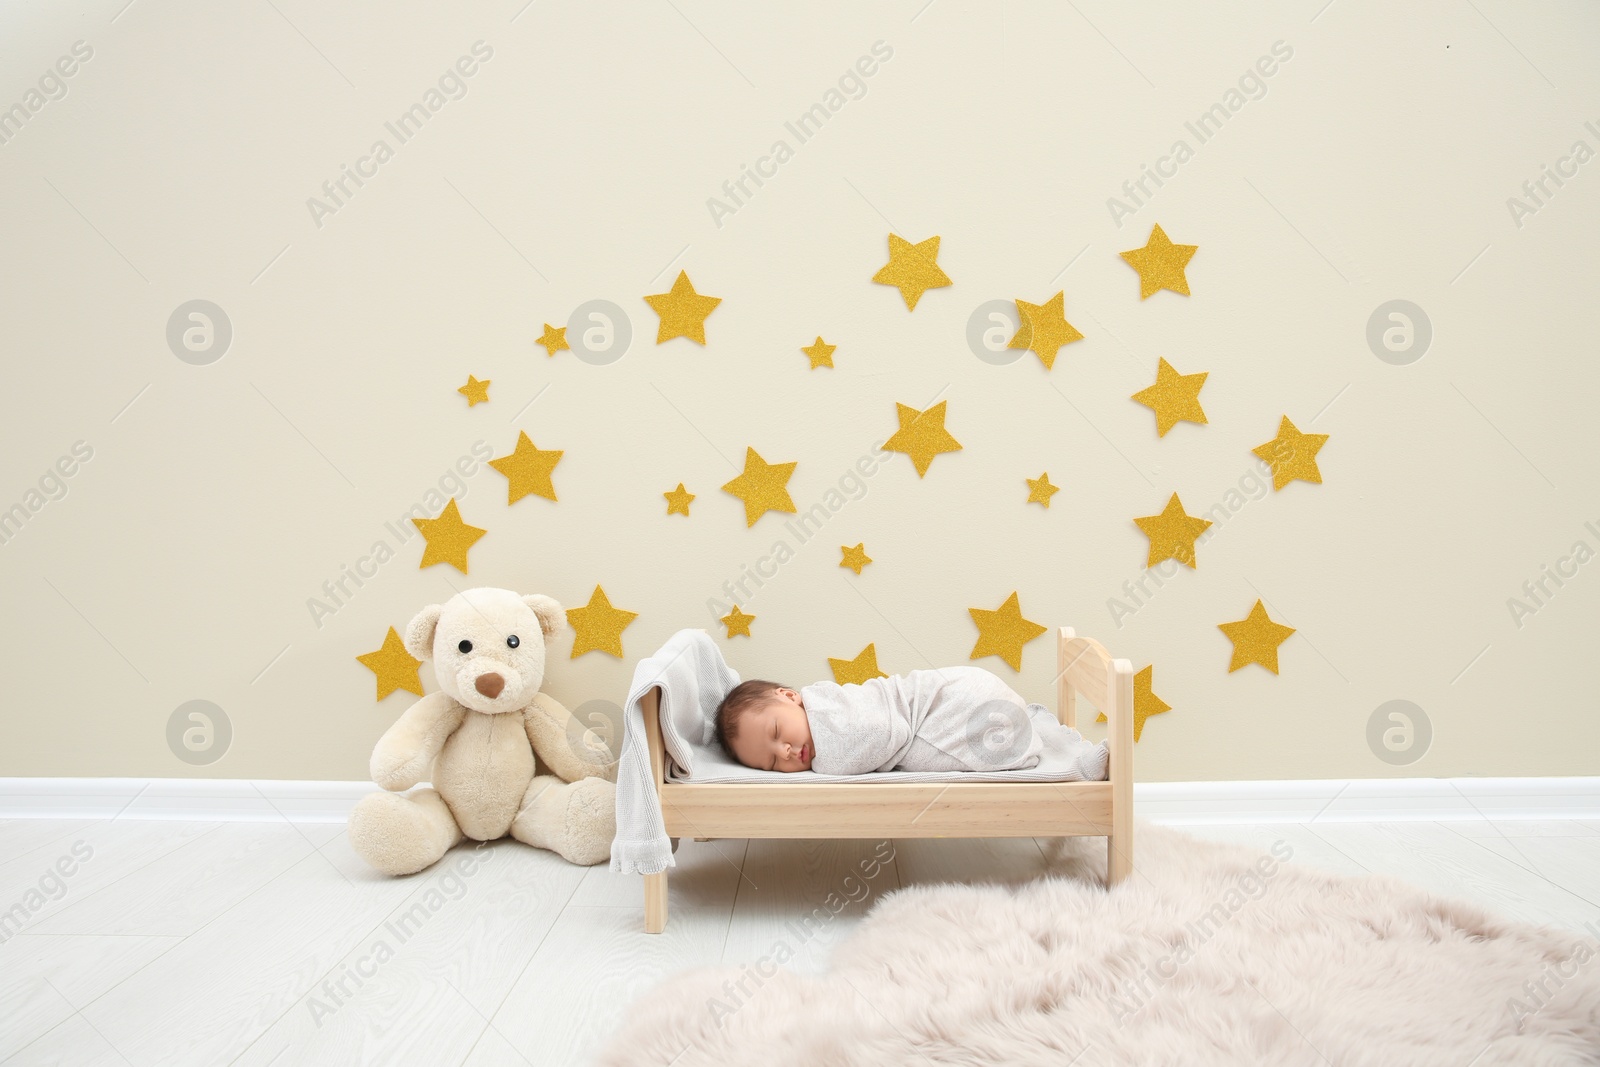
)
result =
(527, 469)
(820, 353)
(678, 501)
(1044, 329)
(554, 339)
(394, 666)
(855, 558)
(762, 486)
(921, 435)
(1160, 264)
(912, 268)
(1003, 633)
(597, 626)
(448, 538)
(1255, 639)
(858, 670)
(1145, 702)
(1172, 534)
(1292, 455)
(737, 622)
(475, 391)
(1174, 398)
(683, 311)
(1040, 490)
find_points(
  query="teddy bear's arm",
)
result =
(567, 748)
(404, 755)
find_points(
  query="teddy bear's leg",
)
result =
(402, 833)
(575, 820)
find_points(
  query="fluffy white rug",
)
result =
(1210, 954)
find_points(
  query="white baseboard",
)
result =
(1321, 800)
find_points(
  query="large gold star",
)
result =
(1292, 455)
(527, 469)
(554, 339)
(475, 391)
(820, 353)
(394, 666)
(1145, 702)
(1160, 264)
(1175, 397)
(912, 268)
(678, 501)
(858, 670)
(762, 486)
(597, 626)
(1003, 633)
(683, 311)
(1172, 534)
(737, 622)
(921, 435)
(448, 538)
(1040, 490)
(1255, 639)
(1044, 329)
(854, 558)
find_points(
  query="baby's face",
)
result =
(776, 736)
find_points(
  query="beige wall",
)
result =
(219, 498)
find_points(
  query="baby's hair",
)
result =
(740, 699)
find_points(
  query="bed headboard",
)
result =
(1083, 666)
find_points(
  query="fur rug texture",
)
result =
(1209, 954)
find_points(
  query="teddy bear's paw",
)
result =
(591, 821)
(402, 834)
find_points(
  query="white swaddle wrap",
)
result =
(952, 719)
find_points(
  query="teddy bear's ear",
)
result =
(419, 631)
(551, 615)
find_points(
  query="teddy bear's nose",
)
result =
(490, 685)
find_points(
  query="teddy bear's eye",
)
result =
(465, 646)
(512, 641)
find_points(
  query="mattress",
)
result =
(1056, 764)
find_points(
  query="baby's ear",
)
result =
(420, 630)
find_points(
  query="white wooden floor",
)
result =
(181, 943)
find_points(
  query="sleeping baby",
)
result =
(953, 719)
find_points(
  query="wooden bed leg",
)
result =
(655, 903)
(1119, 739)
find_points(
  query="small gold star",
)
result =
(1040, 490)
(1172, 534)
(1174, 398)
(1044, 329)
(1160, 264)
(858, 670)
(820, 353)
(1255, 639)
(683, 311)
(1292, 455)
(1145, 702)
(921, 435)
(678, 501)
(554, 339)
(737, 622)
(527, 470)
(855, 558)
(1003, 632)
(475, 391)
(912, 268)
(448, 538)
(597, 626)
(394, 666)
(762, 486)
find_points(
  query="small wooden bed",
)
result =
(924, 809)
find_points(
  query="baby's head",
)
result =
(763, 725)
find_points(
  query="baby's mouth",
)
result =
(804, 749)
